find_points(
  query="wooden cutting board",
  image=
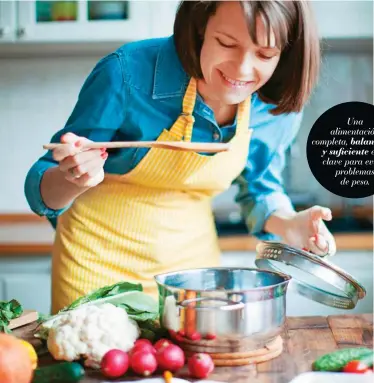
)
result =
(28, 316)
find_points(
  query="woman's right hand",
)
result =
(82, 167)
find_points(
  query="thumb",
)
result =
(319, 212)
(69, 138)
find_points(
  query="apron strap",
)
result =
(182, 128)
(244, 114)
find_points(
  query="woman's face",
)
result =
(232, 65)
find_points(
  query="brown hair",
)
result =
(295, 31)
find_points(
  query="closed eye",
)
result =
(225, 45)
(264, 57)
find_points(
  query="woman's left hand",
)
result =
(306, 230)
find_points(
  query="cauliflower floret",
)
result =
(90, 332)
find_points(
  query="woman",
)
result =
(133, 213)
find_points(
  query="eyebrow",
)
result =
(272, 49)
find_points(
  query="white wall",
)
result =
(36, 98)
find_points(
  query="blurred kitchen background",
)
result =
(47, 48)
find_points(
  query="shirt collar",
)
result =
(170, 80)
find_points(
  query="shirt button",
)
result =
(215, 136)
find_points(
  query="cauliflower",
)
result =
(90, 332)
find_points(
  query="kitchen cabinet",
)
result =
(7, 20)
(77, 21)
(117, 22)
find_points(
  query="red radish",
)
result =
(172, 333)
(142, 341)
(179, 338)
(182, 333)
(143, 363)
(210, 336)
(194, 336)
(114, 363)
(200, 365)
(170, 358)
(142, 346)
(162, 343)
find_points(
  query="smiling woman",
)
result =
(237, 72)
(237, 48)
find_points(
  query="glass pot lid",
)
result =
(312, 277)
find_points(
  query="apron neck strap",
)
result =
(182, 128)
(244, 114)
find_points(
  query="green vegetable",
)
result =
(151, 330)
(336, 361)
(8, 311)
(104, 292)
(139, 306)
(129, 296)
(67, 372)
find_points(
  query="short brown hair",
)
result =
(295, 31)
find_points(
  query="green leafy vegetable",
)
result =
(104, 292)
(129, 296)
(139, 306)
(8, 311)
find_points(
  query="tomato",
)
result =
(162, 343)
(170, 358)
(200, 365)
(356, 367)
(114, 363)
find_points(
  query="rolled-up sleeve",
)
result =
(261, 187)
(98, 113)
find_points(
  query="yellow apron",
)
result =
(156, 218)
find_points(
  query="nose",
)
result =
(246, 64)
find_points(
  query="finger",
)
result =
(315, 249)
(89, 179)
(319, 212)
(65, 150)
(73, 139)
(321, 242)
(79, 159)
(91, 168)
(332, 246)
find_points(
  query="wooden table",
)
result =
(305, 339)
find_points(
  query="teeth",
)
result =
(234, 82)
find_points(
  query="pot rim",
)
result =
(287, 278)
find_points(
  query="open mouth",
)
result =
(235, 83)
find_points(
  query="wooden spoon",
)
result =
(179, 145)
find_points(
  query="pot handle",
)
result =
(229, 305)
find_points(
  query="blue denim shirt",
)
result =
(136, 92)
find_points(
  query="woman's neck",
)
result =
(223, 113)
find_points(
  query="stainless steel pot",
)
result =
(241, 308)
